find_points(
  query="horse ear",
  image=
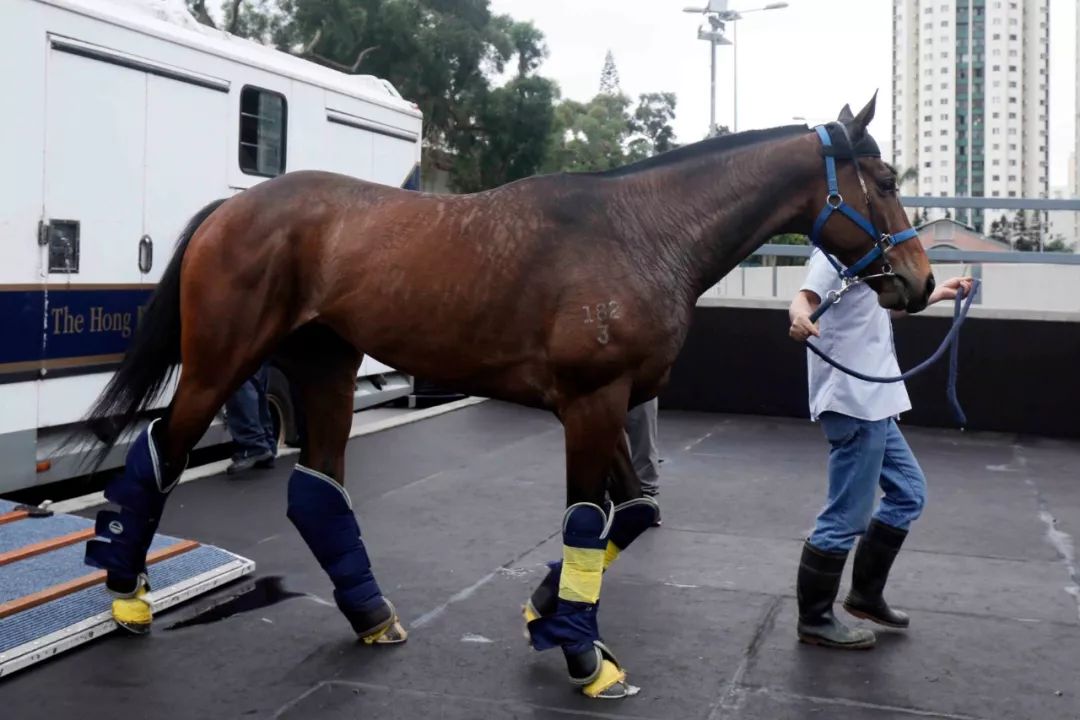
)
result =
(860, 121)
(846, 115)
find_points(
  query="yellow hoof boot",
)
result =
(134, 614)
(610, 683)
(529, 613)
(391, 632)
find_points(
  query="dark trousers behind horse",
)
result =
(566, 292)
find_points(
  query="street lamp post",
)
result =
(718, 16)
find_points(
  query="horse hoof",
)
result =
(610, 683)
(391, 632)
(133, 614)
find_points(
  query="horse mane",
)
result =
(719, 144)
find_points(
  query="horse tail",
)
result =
(152, 356)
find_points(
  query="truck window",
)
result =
(263, 116)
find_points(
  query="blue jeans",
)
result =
(863, 455)
(247, 414)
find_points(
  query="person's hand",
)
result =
(947, 290)
(801, 328)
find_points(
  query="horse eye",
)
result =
(888, 186)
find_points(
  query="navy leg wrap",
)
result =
(126, 534)
(322, 512)
(632, 518)
(573, 626)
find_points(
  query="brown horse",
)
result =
(571, 292)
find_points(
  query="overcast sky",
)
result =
(805, 60)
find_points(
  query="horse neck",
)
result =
(697, 220)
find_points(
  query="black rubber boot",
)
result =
(818, 583)
(873, 560)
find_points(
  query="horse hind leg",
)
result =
(322, 367)
(593, 426)
(152, 470)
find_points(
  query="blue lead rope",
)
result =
(951, 341)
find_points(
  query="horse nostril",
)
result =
(930, 284)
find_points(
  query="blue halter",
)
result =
(834, 202)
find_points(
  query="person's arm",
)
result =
(802, 306)
(945, 291)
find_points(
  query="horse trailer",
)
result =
(122, 120)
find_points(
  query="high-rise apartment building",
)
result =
(971, 98)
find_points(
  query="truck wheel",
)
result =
(282, 412)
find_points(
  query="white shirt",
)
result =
(857, 333)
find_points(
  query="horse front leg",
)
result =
(322, 368)
(593, 533)
(634, 514)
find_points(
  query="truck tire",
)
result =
(282, 410)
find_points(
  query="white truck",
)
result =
(119, 121)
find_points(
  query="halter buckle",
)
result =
(834, 200)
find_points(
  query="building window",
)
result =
(1012, 178)
(996, 178)
(927, 118)
(944, 148)
(944, 178)
(996, 162)
(1012, 193)
(1012, 163)
(263, 120)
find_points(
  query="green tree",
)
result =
(652, 121)
(1022, 237)
(609, 77)
(440, 54)
(1058, 244)
(590, 136)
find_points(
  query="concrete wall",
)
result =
(1017, 371)
(1054, 288)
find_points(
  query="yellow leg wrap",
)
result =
(582, 571)
(610, 674)
(610, 554)
(133, 613)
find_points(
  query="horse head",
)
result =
(871, 240)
